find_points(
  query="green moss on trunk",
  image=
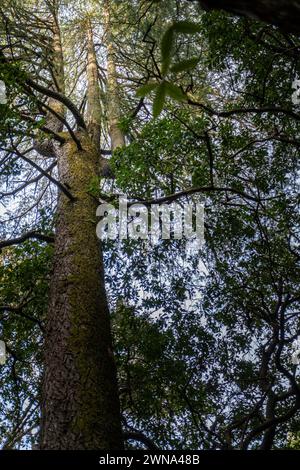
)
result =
(80, 400)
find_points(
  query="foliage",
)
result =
(203, 339)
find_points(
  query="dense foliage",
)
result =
(203, 337)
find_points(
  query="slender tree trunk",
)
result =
(80, 404)
(45, 146)
(270, 433)
(93, 92)
(113, 101)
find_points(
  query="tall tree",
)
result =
(204, 353)
(80, 407)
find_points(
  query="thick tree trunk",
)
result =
(80, 404)
(282, 13)
(80, 401)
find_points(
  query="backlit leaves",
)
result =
(185, 65)
(146, 89)
(162, 90)
(166, 88)
(167, 43)
(159, 99)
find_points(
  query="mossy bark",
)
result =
(80, 408)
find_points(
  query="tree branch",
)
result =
(27, 236)
(61, 98)
(140, 437)
(189, 192)
(283, 13)
(232, 112)
(44, 172)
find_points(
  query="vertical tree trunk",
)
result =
(46, 146)
(80, 400)
(113, 102)
(80, 405)
(93, 92)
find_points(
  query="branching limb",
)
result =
(140, 437)
(27, 236)
(44, 172)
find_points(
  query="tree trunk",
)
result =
(93, 91)
(113, 102)
(45, 146)
(80, 400)
(80, 404)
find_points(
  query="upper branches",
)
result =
(282, 13)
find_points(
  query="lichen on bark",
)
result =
(81, 410)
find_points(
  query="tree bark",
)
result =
(94, 112)
(282, 13)
(45, 145)
(113, 101)
(80, 400)
(80, 404)
(93, 92)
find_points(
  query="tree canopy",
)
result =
(179, 104)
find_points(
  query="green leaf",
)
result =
(166, 49)
(159, 100)
(175, 92)
(144, 90)
(186, 27)
(184, 65)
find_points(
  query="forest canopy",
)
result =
(136, 343)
